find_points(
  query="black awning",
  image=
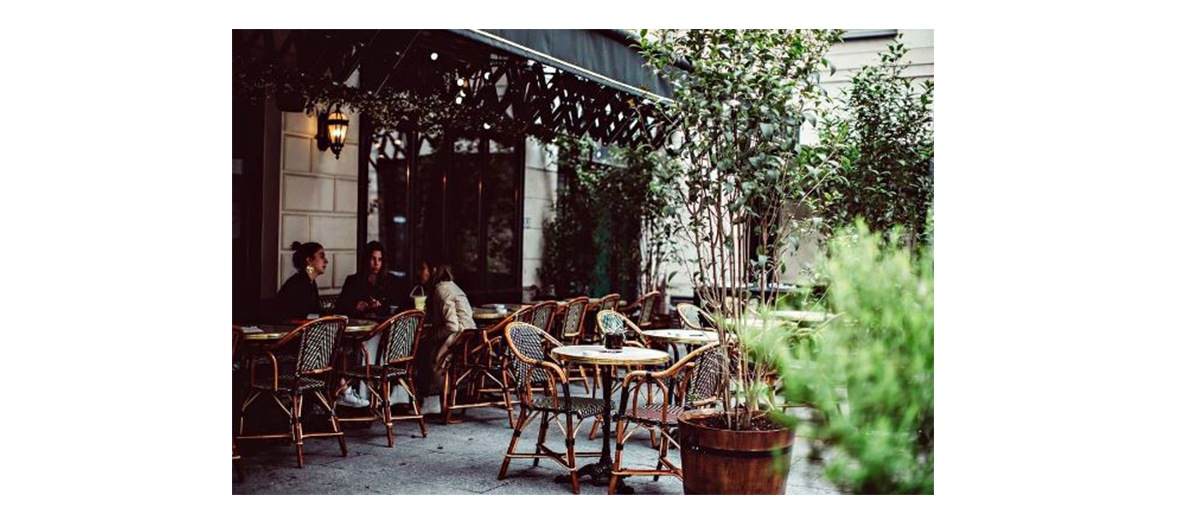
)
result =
(605, 56)
(575, 82)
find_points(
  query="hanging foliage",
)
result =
(427, 110)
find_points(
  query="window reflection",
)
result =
(463, 214)
(454, 198)
(500, 197)
(388, 199)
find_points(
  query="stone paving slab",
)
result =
(461, 458)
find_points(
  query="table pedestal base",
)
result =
(599, 475)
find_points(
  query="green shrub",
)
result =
(869, 374)
(874, 157)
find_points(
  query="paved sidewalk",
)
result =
(461, 458)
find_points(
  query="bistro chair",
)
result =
(473, 369)
(694, 317)
(479, 360)
(525, 314)
(608, 302)
(314, 343)
(392, 367)
(646, 305)
(614, 322)
(691, 383)
(572, 316)
(543, 314)
(537, 379)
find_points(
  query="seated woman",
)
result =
(370, 291)
(299, 295)
(449, 313)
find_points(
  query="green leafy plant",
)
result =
(611, 229)
(869, 374)
(874, 156)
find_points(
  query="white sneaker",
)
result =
(351, 399)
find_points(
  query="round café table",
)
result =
(274, 332)
(802, 317)
(678, 336)
(489, 315)
(598, 355)
(511, 307)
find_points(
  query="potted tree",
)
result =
(741, 97)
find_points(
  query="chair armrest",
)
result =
(557, 370)
(251, 355)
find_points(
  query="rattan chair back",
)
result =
(399, 337)
(318, 339)
(528, 345)
(575, 314)
(612, 322)
(524, 315)
(647, 308)
(695, 318)
(703, 381)
(543, 314)
(609, 302)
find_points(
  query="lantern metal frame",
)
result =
(325, 140)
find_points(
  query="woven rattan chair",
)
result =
(612, 322)
(524, 315)
(692, 382)
(695, 318)
(531, 368)
(473, 370)
(392, 367)
(476, 370)
(609, 302)
(572, 315)
(313, 344)
(543, 314)
(646, 306)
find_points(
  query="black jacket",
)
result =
(357, 288)
(298, 297)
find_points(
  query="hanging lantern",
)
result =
(337, 131)
(333, 129)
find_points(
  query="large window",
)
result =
(450, 198)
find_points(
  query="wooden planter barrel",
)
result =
(717, 461)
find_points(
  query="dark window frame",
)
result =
(481, 290)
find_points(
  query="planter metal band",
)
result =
(739, 453)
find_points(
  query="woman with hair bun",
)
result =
(299, 295)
